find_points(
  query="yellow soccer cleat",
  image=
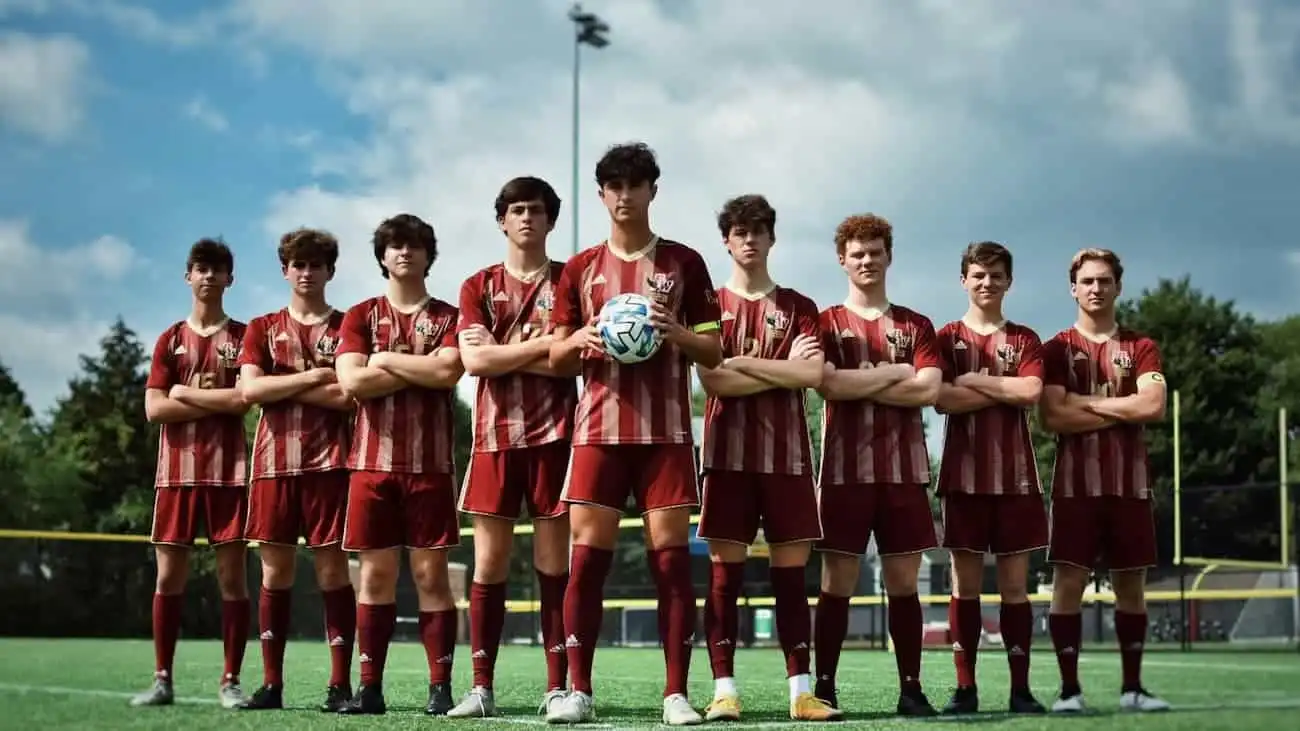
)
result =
(723, 708)
(808, 707)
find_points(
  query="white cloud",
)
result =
(1264, 52)
(43, 354)
(200, 110)
(32, 273)
(1153, 105)
(43, 83)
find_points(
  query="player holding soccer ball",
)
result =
(632, 431)
(523, 416)
(757, 456)
(988, 480)
(883, 367)
(1103, 383)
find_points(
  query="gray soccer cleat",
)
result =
(477, 703)
(159, 694)
(231, 695)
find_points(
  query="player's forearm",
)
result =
(1012, 390)
(961, 400)
(368, 382)
(269, 389)
(725, 382)
(795, 374)
(326, 396)
(855, 384)
(1139, 408)
(163, 410)
(426, 371)
(486, 361)
(566, 353)
(911, 393)
(213, 400)
(541, 366)
(1067, 418)
(702, 348)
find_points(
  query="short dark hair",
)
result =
(525, 189)
(213, 253)
(405, 228)
(633, 163)
(986, 254)
(863, 228)
(752, 212)
(310, 245)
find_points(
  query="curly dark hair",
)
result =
(405, 228)
(864, 227)
(633, 163)
(525, 189)
(751, 212)
(309, 245)
(211, 252)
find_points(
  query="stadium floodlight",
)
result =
(588, 29)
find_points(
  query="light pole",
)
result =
(591, 30)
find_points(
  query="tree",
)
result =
(12, 394)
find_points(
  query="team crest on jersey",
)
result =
(1123, 363)
(900, 343)
(1008, 355)
(777, 323)
(326, 347)
(661, 286)
(227, 354)
(545, 303)
(424, 328)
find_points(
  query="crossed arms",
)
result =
(385, 373)
(894, 384)
(318, 387)
(484, 357)
(183, 403)
(1070, 413)
(744, 376)
(975, 391)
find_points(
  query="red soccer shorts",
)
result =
(898, 515)
(392, 510)
(178, 512)
(312, 505)
(655, 476)
(496, 483)
(998, 524)
(735, 502)
(1116, 533)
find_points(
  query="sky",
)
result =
(1168, 130)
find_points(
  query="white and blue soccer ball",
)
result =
(624, 326)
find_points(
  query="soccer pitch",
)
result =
(85, 684)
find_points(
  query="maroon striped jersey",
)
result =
(294, 438)
(864, 441)
(1113, 460)
(764, 432)
(649, 402)
(989, 451)
(211, 450)
(516, 410)
(410, 431)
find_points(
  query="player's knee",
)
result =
(331, 565)
(491, 566)
(839, 574)
(1130, 591)
(430, 577)
(967, 574)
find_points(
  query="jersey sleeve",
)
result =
(253, 350)
(568, 301)
(1056, 364)
(471, 305)
(925, 352)
(449, 336)
(830, 344)
(1149, 367)
(354, 333)
(1031, 356)
(162, 369)
(947, 359)
(806, 319)
(700, 308)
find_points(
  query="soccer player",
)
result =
(988, 479)
(398, 359)
(202, 457)
(1102, 383)
(757, 456)
(632, 430)
(299, 478)
(882, 368)
(523, 416)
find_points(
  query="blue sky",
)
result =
(1168, 130)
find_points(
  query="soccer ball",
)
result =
(624, 326)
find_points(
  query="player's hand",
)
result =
(666, 323)
(476, 335)
(804, 347)
(323, 376)
(177, 392)
(377, 360)
(589, 338)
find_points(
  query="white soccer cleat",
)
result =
(1141, 701)
(477, 703)
(159, 694)
(552, 700)
(231, 695)
(678, 711)
(575, 707)
(1071, 704)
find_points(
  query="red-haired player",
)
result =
(523, 417)
(883, 367)
(988, 479)
(1102, 383)
(398, 358)
(299, 480)
(632, 430)
(757, 456)
(202, 464)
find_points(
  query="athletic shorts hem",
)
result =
(987, 552)
(592, 504)
(839, 551)
(913, 552)
(661, 508)
(1063, 562)
(731, 541)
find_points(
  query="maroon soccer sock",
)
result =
(438, 635)
(273, 623)
(967, 624)
(1017, 623)
(340, 631)
(905, 629)
(1131, 632)
(235, 618)
(1067, 635)
(721, 618)
(166, 630)
(671, 568)
(793, 621)
(551, 589)
(487, 617)
(375, 624)
(583, 611)
(829, 630)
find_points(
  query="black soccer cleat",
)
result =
(439, 699)
(336, 697)
(1023, 701)
(912, 703)
(964, 700)
(369, 701)
(265, 698)
(825, 690)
